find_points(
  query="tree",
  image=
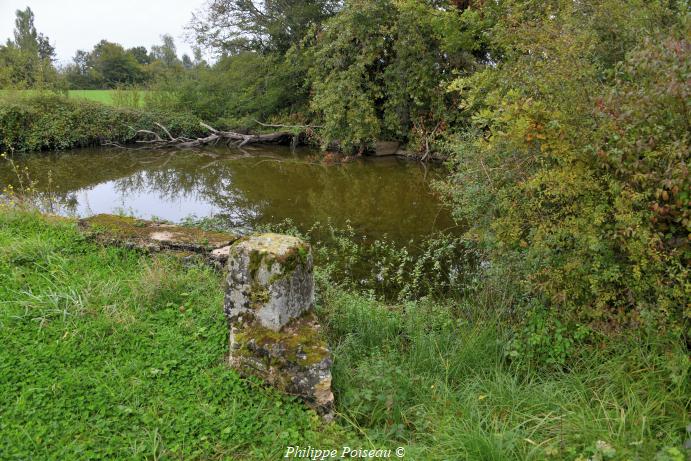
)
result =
(381, 67)
(81, 60)
(27, 39)
(187, 61)
(233, 26)
(46, 51)
(27, 61)
(113, 66)
(198, 57)
(240, 89)
(166, 52)
(25, 35)
(76, 72)
(140, 54)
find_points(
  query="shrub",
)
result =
(577, 182)
(237, 90)
(53, 122)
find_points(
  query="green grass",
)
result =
(117, 98)
(436, 377)
(107, 353)
(98, 359)
(102, 96)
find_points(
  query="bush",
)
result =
(577, 175)
(237, 90)
(52, 122)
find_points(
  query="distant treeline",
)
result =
(27, 62)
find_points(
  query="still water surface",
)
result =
(263, 185)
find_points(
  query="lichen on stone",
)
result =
(300, 340)
(295, 360)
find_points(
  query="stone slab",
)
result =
(153, 236)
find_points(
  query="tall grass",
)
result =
(436, 376)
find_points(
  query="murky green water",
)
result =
(263, 185)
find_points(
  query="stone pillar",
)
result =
(274, 334)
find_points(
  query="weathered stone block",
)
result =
(273, 333)
(270, 278)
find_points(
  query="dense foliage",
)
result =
(261, 72)
(110, 65)
(54, 122)
(363, 70)
(237, 91)
(234, 26)
(380, 70)
(576, 171)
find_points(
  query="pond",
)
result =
(261, 185)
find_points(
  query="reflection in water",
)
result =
(377, 196)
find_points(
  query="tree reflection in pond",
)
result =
(376, 196)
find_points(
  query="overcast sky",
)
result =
(75, 25)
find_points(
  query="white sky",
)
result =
(75, 25)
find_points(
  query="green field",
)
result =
(112, 97)
(118, 98)
(111, 354)
(103, 96)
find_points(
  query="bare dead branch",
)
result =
(304, 127)
(166, 130)
(153, 140)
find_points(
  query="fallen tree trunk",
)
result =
(155, 141)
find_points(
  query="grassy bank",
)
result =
(436, 376)
(108, 353)
(52, 122)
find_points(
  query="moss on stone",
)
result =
(290, 260)
(259, 295)
(256, 258)
(124, 226)
(300, 341)
(295, 257)
(138, 231)
(268, 256)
